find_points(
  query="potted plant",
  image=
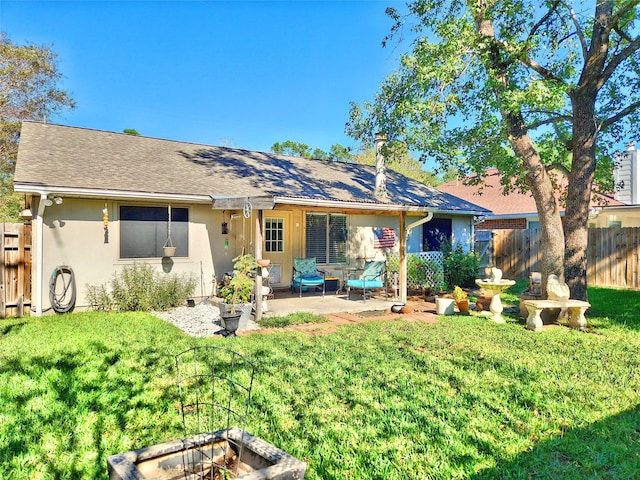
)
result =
(461, 298)
(237, 294)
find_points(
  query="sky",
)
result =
(242, 74)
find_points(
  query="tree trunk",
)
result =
(583, 166)
(536, 175)
(553, 241)
(583, 162)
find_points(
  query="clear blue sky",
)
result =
(236, 73)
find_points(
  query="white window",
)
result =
(274, 234)
(326, 237)
(144, 231)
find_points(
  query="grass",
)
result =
(291, 319)
(463, 398)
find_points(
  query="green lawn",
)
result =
(463, 398)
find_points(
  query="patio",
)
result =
(284, 302)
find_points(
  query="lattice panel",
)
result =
(434, 267)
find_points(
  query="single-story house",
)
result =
(100, 200)
(515, 210)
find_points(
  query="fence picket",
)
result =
(15, 269)
(613, 255)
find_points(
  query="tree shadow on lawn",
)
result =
(10, 326)
(609, 448)
(82, 404)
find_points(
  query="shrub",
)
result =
(242, 283)
(139, 287)
(421, 273)
(460, 268)
(98, 297)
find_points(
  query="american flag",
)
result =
(384, 237)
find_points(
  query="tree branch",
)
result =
(550, 121)
(540, 70)
(559, 167)
(583, 42)
(618, 59)
(622, 11)
(621, 114)
(543, 19)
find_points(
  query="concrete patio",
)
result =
(284, 302)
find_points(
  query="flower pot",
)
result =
(463, 305)
(264, 262)
(444, 306)
(482, 304)
(397, 308)
(169, 251)
(230, 322)
(243, 309)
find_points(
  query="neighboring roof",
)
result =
(84, 162)
(516, 204)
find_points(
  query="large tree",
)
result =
(529, 87)
(29, 90)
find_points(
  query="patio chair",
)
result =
(373, 277)
(306, 274)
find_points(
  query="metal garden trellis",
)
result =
(214, 385)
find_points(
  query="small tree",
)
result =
(242, 284)
(29, 90)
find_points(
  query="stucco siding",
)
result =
(74, 235)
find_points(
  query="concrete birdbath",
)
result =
(495, 285)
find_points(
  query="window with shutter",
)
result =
(326, 237)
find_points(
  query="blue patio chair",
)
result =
(373, 277)
(306, 274)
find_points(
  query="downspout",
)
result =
(419, 222)
(403, 256)
(39, 253)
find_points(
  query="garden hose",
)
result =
(68, 292)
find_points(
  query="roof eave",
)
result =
(116, 194)
(390, 207)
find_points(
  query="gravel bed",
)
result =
(202, 320)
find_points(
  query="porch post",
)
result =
(403, 259)
(258, 254)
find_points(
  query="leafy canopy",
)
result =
(29, 90)
(442, 102)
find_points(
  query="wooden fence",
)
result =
(15, 269)
(612, 255)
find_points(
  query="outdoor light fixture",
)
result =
(48, 202)
(58, 200)
(225, 228)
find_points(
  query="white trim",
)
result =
(369, 206)
(114, 194)
(345, 204)
(39, 255)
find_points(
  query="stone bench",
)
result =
(574, 308)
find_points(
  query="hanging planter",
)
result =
(168, 249)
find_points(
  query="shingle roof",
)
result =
(62, 157)
(490, 196)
